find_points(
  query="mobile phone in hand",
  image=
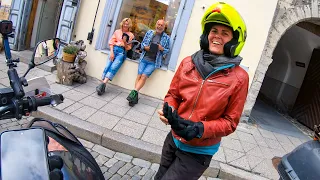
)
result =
(24, 155)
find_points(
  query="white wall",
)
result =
(283, 78)
(257, 14)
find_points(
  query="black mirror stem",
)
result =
(31, 66)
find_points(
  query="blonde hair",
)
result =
(126, 20)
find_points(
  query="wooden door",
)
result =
(307, 106)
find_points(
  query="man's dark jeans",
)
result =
(176, 164)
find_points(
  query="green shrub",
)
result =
(70, 49)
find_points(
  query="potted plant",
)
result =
(69, 53)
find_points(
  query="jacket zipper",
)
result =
(195, 103)
(212, 81)
(214, 77)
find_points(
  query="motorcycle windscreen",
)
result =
(24, 155)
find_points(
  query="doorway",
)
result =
(286, 84)
(33, 21)
(44, 19)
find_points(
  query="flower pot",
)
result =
(68, 57)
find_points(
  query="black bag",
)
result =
(134, 52)
(78, 161)
(154, 48)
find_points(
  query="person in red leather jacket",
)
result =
(206, 96)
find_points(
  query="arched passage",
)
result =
(286, 16)
(295, 21)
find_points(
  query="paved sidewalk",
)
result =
(108, 120)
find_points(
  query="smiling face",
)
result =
(218, 36)
(160, 26)
(125, 26)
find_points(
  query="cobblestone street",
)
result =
(114, 165)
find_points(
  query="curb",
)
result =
(131, 146)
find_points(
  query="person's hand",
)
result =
(160, 47)
(168, 114)
(55, 146)
(121, 44)
(147, 48)
(162, 118)
(191, 129)
(111, 56)
(184, 128)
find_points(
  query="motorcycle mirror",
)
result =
(45, 51)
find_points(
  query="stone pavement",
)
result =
(109, 121)
(114, 165)
(117, 165)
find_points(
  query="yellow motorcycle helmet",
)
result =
(222, 13)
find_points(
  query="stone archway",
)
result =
(287, 14)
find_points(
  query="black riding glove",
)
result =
(184, 128)
(191, 129)
(167, 112)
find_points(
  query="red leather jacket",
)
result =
(217, 101)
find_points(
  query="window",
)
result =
(144, 15)
(5, 10)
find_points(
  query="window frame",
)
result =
(111, 13)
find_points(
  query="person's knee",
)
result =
(121, 56)
(116, 65)
(116, 61)
(144, 77)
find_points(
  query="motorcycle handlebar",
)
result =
(48, 100)
(26, 105)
